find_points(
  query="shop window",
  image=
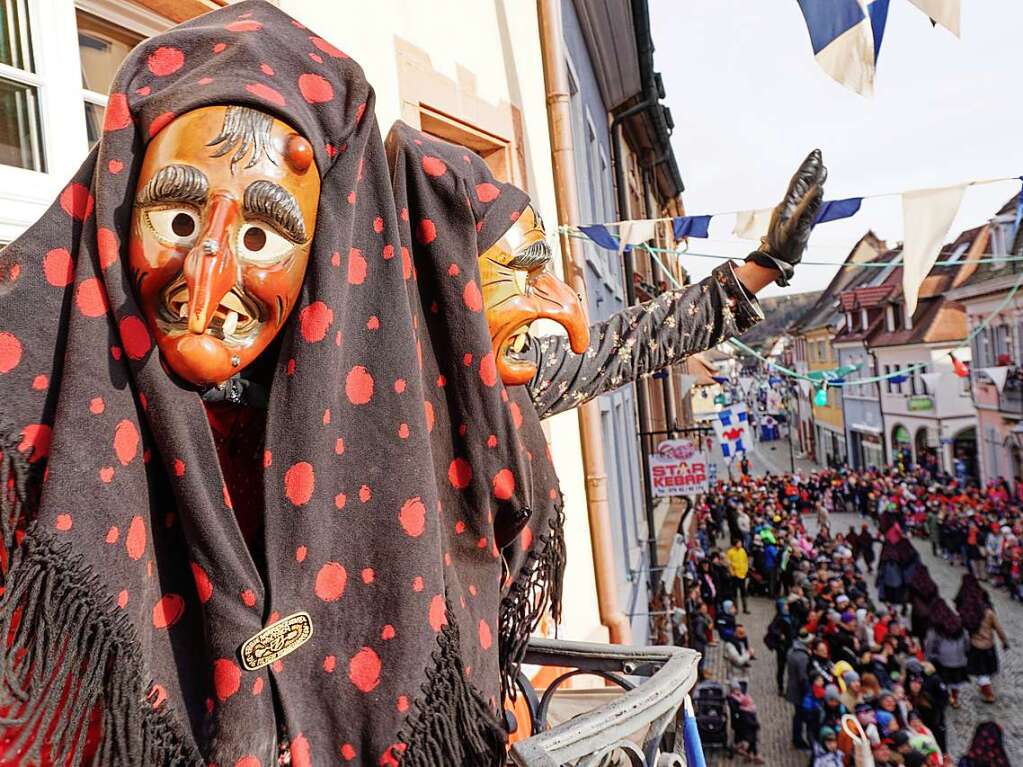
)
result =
(21, 138)
(102, 46)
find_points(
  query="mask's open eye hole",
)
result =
(261, 245)
(183, 225)
(254, 239)
(175, 226)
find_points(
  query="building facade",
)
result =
(994, 316)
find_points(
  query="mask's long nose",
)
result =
(559, 302)
(210, 267)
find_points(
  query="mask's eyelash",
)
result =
(533, 257)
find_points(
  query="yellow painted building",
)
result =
(829, 423)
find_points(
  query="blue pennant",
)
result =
(690, 226)
(832, 210)
(600, 235)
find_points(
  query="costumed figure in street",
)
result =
(274, 488)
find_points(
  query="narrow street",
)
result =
(775, 714)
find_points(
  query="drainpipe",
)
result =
(667, 391)
(560, 125)
(642, 402)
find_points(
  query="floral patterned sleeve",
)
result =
(640, 340)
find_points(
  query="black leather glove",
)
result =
(792, 221)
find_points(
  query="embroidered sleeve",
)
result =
(641, 340)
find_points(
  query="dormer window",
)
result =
(889, 319)
(849, 321)
(863, 318)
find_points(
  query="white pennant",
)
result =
(945, 12)
(931, 379)
(745, 382)
(806, 387)
(752, 224)
(998, 375)
(635, 232)
(927, 217)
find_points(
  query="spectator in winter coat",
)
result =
(946, 646)
(825, 750)
(832, 710)
(928, 696)
(738, 570)
(796, 686)
(738, 652)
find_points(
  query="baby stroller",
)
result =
(711, 708)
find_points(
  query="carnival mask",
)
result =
(518, 288)
(224, 215)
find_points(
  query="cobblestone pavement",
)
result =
(775, 715)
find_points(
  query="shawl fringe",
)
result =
(19, 495)
(450, 723)
(69, 657)
(537, 588)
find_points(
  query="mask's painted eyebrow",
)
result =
(276, 205)
(535, 256)
(175, 183)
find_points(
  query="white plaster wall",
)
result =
(497, 44)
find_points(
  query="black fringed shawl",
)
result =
(396, 464)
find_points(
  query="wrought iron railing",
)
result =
(654, 681)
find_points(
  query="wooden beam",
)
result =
(180, 10)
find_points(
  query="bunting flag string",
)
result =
(751, 224)
(905, 373)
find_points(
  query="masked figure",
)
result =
(556, 373)
(265, 491)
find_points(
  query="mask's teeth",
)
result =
(231, 323)
(183, 311)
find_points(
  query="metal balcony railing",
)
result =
(640, 728)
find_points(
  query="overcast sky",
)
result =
(749, 101)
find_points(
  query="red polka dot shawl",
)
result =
(398, 471)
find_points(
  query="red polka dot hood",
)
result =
(411, 511)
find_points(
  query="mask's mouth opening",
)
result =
(516, 342)
(236, 318)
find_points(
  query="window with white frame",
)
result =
(887, 380)
(102, 46)
(889, 318)
(44, 136)
(21, 137)
(863, 319)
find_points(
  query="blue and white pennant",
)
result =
(732, 426)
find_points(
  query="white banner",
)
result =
(997, 376)
(678, 550)
(752, 224)
(678, 467)
(945, 12)
(927, 216)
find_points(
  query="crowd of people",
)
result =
(863, 675)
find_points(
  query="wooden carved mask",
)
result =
(223, 220)
(518, 288)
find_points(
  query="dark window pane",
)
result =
(94, 122)
(102, 47)
(20, 140)
(15, 46)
